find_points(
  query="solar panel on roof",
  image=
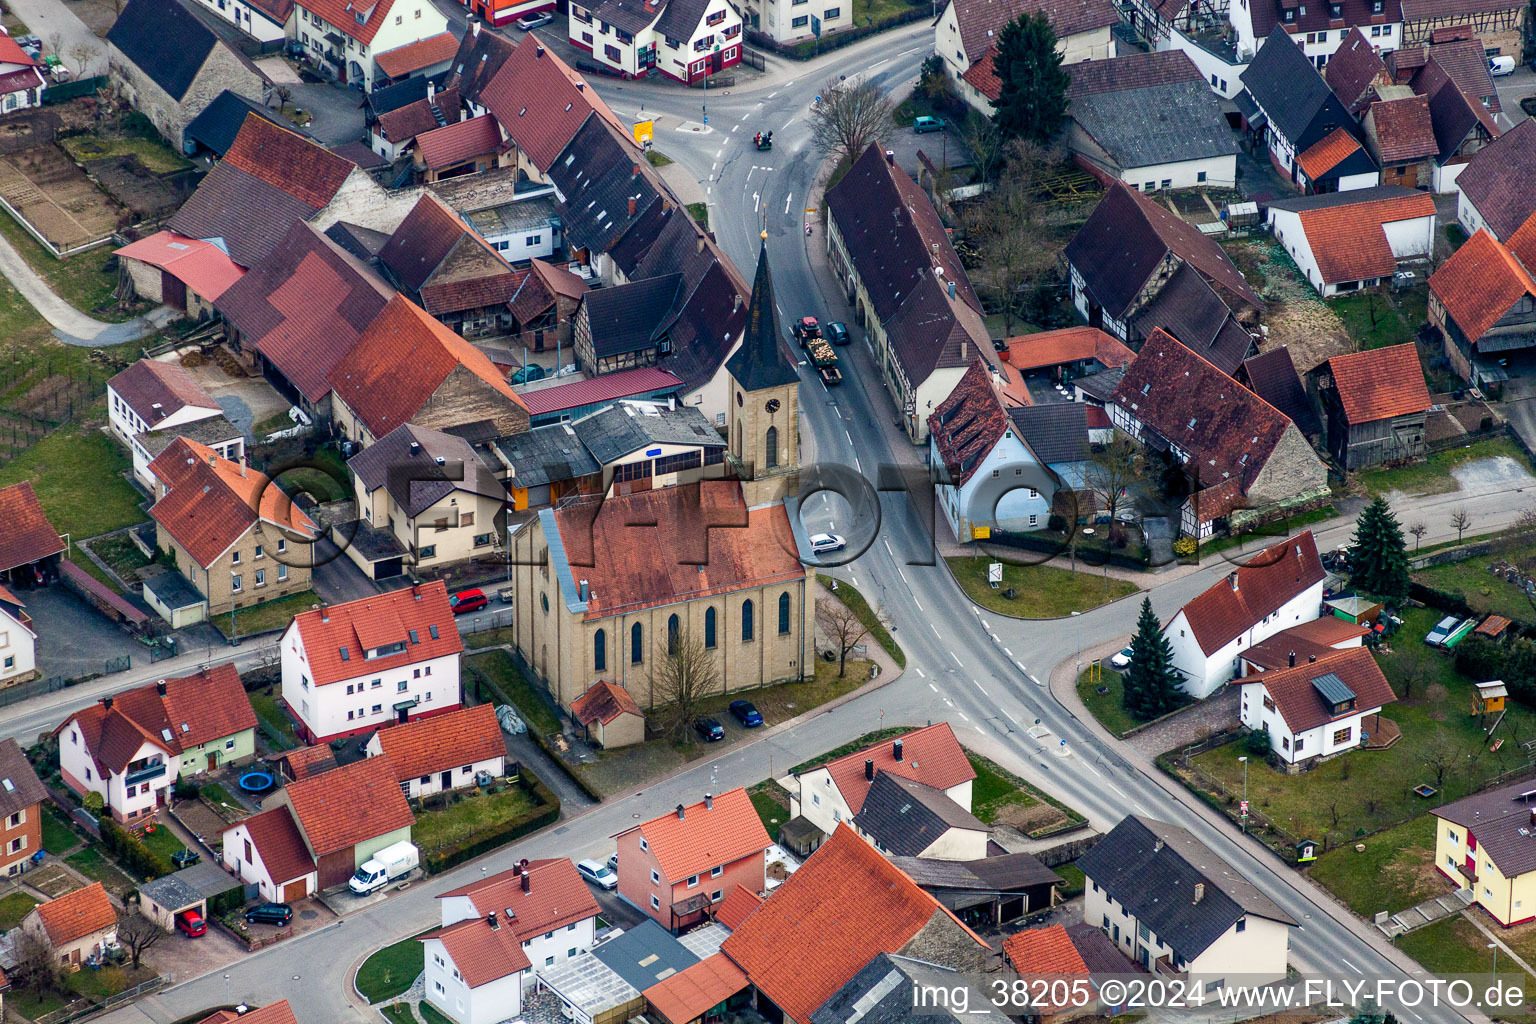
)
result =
(1333, 689)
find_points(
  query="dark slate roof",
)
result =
(1453, 113)
(548, 454)
(626, 318)
(171, 893)
(216, 127)
(20, 787)
(364, 243)
(630, 15)
(599, 175)
(1190, 310)
(931, 331)
(1151, 868)
(416, 480)
(886, 989)
(1273, 377)
(405, 92)
(1149, 108)
(1056, 433)
(172, 590)
(1286, 85)
(1101, 385)
(1352, 69)
(1297, 204)
(250, 216)
(625, 427)
(480, 56)
(644, 955)
(1501, 821)
(1008, 872)
(906, 817)
(680, 18)
(210, 430)
(164, 40)
(760, 362)
(1498, 177)
(1317, 18)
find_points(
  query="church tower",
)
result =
(763, 410)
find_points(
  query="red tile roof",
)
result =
(342, 15)
(1480, 282)
(982, 76)
(556, 896)
(1300, 703)
(1493, 625)
(350, 805)
(844, 906)
(196, 709)
(1348, 240)
(608, 387)
(405, 123)
(383, 619)
(1305, 640)
(303, 762)
(703, 839)
(481, 953)
(1523, 242)
(1068, 345)
(280, 845)
(1263, 584)
(273, 1013)
(969, 423)
(1043, 951)
(455, 143)
(202, 266)
(149, 381)
(1403, 129)
(423, 53)
(689, 994)
(737, 906)
(1380, 383)
(443, 742)
(603, 702)
(931, 755)
(400, 361)
(77, 914)
(211, 502)
(288, 161)
(12, 53)
(28, 536)
(541, 102)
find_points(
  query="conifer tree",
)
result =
(1378, 559)
(1151, 683)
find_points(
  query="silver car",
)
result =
(534, 21)
(598, 873)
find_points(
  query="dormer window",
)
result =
(362, 19)
(1290, 15)
(1336, 11)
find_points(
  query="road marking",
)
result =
(920, 673)
(719, 152)
(857, 464)
(877, 64)
(996, 639)
(714, 167)
(1351, 966)
(1117, 789)
(1092, 769)
(949, 702)
(773, 94)
(903, 576)
(952, 654)
(1007, 652)
(788, 123)
(914, 597)
(1019, 663)
(708, 189)
(914, 49)
(850, 444)
(884, 540)
(983, 689)
(786, 213)
(756, 201)
(962, 714)
(1010, 715)
(985, 625)
(935, 689)
(934, 628)
(735, 128)
(1034, 680)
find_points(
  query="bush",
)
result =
(1257, 743)
(1185, 547)
(127, 848)
(186, 789)
(226, 902)
(93, 803)
(505, 832)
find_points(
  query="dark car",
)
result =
(746, 713)
(708, 729)
(467, 601)
(837, 333)
(269, 913)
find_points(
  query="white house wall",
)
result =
(498, 1000)
(252, 870)
(1225, 80)
(18, 649)
(1218, 170)
(1254, 956)
(1466, 213)
(1413, 238)
(1202, 675)
(249, 20)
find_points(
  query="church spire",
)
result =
(760, 362)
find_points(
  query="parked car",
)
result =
(528, 374)
(1498, 66)
(613, 861)
(598, 873)
(1121, 660)
(928, 124)
(191, 924)
(823, 542)
(389, 864)
(746, 713)
(269, 913)
(468, 601)
(837, 333)
(534, 21)
(708, 729)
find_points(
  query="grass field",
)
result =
(120, 553)
(1044, 591)
(391, 970)
(271, 711)
(531, 705)
(772, 811)
(163, 841)
(1396, 870)
(91, 863)
(1397, 316)
(431, 1014)
(1073, 881)
(477, 812)
(77, 476)
(1482, 590)
(1433, 475)
(872, 621)
(262, 617)
(1108, 707)
(156, 158)
(58, 837)
(82, 280)
(13, 908)
(999, 795)
(700, 213)
(657, 158)
(398, 1013)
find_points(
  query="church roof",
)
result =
(760, 363)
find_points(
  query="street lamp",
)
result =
(1078, 628)
(1495, 947)
(1244, 814)
(234, 631)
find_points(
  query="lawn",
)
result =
(267, 616)
(490, 637)
(120, 553)
(399, 1013)
(1451, 946)
(431, 1014)
(98, 985)
(867, 740)
(58, 837)
(92, 864)
(1044, 591)
(1397, 316)
(1396, 870)
(1108, 707)
(475, 813)
(13, 908)
(1073, 881)
(773, 811)
(324, 477)
(1433, 475)
(162, 841)
(156, 158)
(1482, 590)
(784, 701)
(391, 970)
(82, 280)
(851, 597)
(877, 10)
(270, 710)
(1370, 789)
(77, 476)
(216, 794)
(32, 1005)
(1269, 533)
(499, 668)
(999, 796)
(657, 158)
(700, 213)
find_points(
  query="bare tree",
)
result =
(684, 677)
(83, 56)
(985, 142)
(1112, 471)
(1442, 757)
(1416, 674)
(137, 933)
(842, 627)
(37, 968)
(284, 94)
(849, 117)
(1460, 520)
(1525, 522)
(55, 42)
(1007, 228)
(1418, 530)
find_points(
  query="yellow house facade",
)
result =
(1487, 843)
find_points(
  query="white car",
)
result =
(534, 21)
(1121, 660)
(1498, 66)
(823, 542)
(598, 873)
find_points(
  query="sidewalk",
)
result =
(70, 325)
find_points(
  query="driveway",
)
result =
(246, 401)
(339, 579)
(337, 111)
(76, 639)
(1522, 416)
(1513, 88)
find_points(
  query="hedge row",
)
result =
(809, 48)
(489, 688)
(547, 813)
(137, 857)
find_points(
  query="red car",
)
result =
(191, 924)
(467, 601)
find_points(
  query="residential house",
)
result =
(1335, 163)
(1241, 453)
(169, 65)
(618, 977)
(1345, 241)
(1174, 907)
(1318, 31)
(429, 494)
(21, 81)
(18, 641)
(463, 147)
(560, 403)
(686, 42)
(1203, 32)
(345, 41)
(77, 926)
(1356, 71)
(394, 131)
(1500, 24)
(1458, 53)
(353, 667)
(29, 545)
(500, 13)
(1059, 356)
(1149, 120)
(992, 891)
(644, 445)
(1492, 185)
(185, 273)
(346, 816)
(965, 35)
(1304, 642)
(302, 762)
(1402, 141)
(609, 715)
(443, 752)
(428, 58)
(132, 747)
(1131, 250)
(845, 906)
(1274, 590)
(1483, 302)
(212, 133)
(234, 535)
(215, 432)
(520, 219)
(1377, 404)
(22, 795)
(1297, 107)
(1051, 951)
(266, 21)
(905, 818)
(443, 265)
(613, 203)
(679, 865)
(546, 464)
(1272, 376)
(832, 793)
(1316, 709)
(1483, 845)
(783, 21)
(698, 991)
(500, 933)
(888, 987)
(1463, 126)
(267, 850)
(545, 305)
(153, 402)
(893, 255)
(278, 1012)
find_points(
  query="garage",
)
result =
(295, 891)
(164, 898)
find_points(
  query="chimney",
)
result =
(160, 687)
(965, 348)
(709, 801)
(869, 771)
(1232, 579)
(106, 702)
(474, 28)
(896, 750)
(1311, 658)
(699, 244)
(1293, 659)
(415, 448)
(523, 864)
(517, 869)
(679, 812)
(631, 206)
(951, 289)
(213, 459)
(890, 157)
(1157, 847)
(634, 170)
(582, 589)
(527, 882)
(538, 54)
(1199, 891)
(431, 92)
(735, 301)
(490, 919)
(1533, 815)
(325, 614)
(415, 591)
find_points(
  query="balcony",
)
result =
(1164, 966)
(145, 774)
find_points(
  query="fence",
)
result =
(67, 91)
(1061, 853)
(25, 691)
(809, 48)
(752, 60)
